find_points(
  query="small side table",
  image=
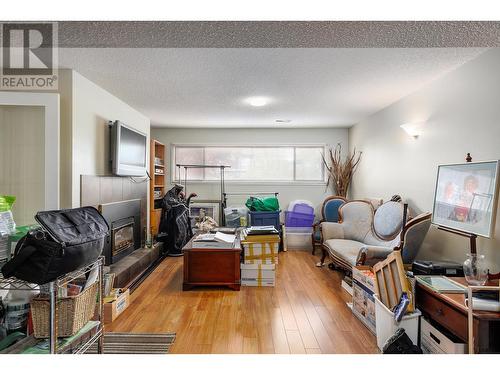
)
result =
(450, 311)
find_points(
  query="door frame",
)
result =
(51, 104)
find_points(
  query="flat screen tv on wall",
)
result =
(466, 197)
(128, 150)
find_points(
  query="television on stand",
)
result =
(128, 150)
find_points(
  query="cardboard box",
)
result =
(262, 282)
(363, 305)
(258, 271)
(114, 308)
(433, 341)
(365, 276)
(261, 249)
(363, 302)
(258, 274)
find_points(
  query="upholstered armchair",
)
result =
(363, 236)
(329, 213)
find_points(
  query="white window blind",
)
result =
(252, 163)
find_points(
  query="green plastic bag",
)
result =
(263, 204)
(6, 202)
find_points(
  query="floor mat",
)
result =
(135, 343)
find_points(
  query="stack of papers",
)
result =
(260, 230)
(216, 240)
(226, 230)
(486, 300)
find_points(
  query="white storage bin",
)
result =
(386, 325)
(297, 238)
(432, 341)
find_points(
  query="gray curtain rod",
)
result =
(201, 166)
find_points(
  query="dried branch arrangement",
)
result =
(340, 172)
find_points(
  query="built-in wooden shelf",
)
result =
(158, 182)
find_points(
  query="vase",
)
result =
(475, 270)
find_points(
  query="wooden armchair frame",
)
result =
(316, 225)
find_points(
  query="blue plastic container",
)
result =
(259, 218)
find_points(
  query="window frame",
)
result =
(174, 169)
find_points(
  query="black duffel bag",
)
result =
(67, 240)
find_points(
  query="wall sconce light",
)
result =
(413, 129)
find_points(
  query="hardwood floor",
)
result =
(304, 313)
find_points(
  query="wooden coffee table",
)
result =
(211, 267)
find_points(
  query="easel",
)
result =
(472, 237)
(473, 247)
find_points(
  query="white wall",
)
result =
(22, 150)
(92, 108)
(462, 114)
(287, 192)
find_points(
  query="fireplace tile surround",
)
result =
(102, 190)
(96, 190)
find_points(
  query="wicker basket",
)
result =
(72, 313)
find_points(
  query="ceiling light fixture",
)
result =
(413, 129)
(257, 101)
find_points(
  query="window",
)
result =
(251, 163)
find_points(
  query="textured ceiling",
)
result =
(206, 87)
(275, 34)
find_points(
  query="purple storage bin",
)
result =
(298, 219)
(303, 208)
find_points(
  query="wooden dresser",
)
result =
(211, 267)
(449, 311)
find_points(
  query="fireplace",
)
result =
(124, 220)
(122, 236)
